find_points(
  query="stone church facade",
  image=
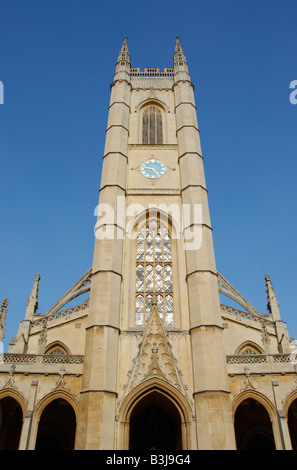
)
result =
(151, 358)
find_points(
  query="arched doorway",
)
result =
(155, 424)
(253, 429)
(57, 427)
(11, 418)
(292, 423)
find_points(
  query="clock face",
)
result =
(153, 169)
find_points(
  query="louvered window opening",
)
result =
(152, 132)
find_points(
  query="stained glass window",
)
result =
(154, 272)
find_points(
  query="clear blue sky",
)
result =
(57, 60)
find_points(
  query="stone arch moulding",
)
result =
(57, 344)
(43, 403)
(262, 399)
(17, 396)
(154, 211)
(288, 400)
(155, 384)
(269, 407)
(140, 109)
(151, 101)
(252, 345)
(51, 396)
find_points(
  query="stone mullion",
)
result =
(163, 282)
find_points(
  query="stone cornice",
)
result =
(150, 191)
(153, 147)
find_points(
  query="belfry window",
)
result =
(152, 132)
(154, 272)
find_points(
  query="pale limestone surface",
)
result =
(110, 362)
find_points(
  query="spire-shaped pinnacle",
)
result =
(125, 45)
(178, 52)
(179, 59)
(124, 53)
(280, 327)
(272, 303)
(3, 311)
(178, 47)
(32, 303)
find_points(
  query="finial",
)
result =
(178, 47)
(180, 61)
(124, 53)
(32, 303)
(125, 45)
(4, 303)
(154, 301)
(3, 311)
(272, 303)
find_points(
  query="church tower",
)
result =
(150, 357)
(154, 291)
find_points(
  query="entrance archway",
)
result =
(253, 429)
(155, 424)
(292, 423)
(11, 418)
(57, 427)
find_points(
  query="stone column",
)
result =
(214, 422)
(280, 327)
(27, 422)
(95, 429)
(282, 439)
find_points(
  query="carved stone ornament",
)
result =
(43, 333)
(61, 383)
(10, 383)
(3, 311)
(154, 359)
(248, 382)
(264, 334)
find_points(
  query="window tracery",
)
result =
(152, 131)
(249, 349)
(56, 350)
(154, 272)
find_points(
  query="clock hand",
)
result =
(150, 168)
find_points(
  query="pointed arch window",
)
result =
(248, 349)
(154, 272)
(152, 131)
(56, 349)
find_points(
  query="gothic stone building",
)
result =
(151, 358)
